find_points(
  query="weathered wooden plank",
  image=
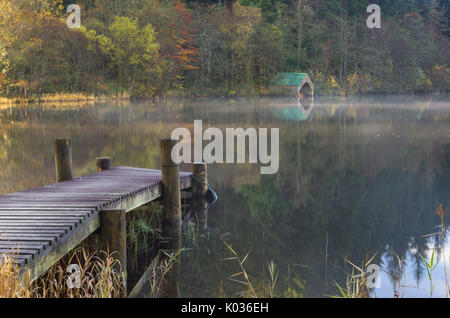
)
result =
(8, 227)
(62, 209)
(57, 192)
(28, 237)
(49, 257)
(39, 217)
(17, 246)
(44, 213)
(64, 191)
(20, 263)
(32, 232)
(57, 195)
(36, 225)
(53, 202)
(5, 223)
(12, 252)
(66, 221)
(56, 211)
(26, 257)
(58, 205)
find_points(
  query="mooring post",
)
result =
(171, 216)
(103, 163)
(199, 193)
(113, 227)
(63, 159)
(94, 240)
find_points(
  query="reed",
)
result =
(242, 278)
(143, 233)
(100, 276)
(356, 281)
(438, 252)
(443, 230)
(160, 272)
(356, 287)
(13, 282)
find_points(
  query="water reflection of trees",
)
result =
(361, 187)
(363, 190)
(27, 135)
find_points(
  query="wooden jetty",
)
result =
(45, 223)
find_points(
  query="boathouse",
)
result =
(291, 84)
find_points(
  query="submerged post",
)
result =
(199, 193)
(171, 217)
(63, 159)
(103, 163)
(113, 227)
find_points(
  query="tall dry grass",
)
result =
(62, 98)
(100, 277)
(13, 282)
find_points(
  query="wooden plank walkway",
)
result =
(44, 223)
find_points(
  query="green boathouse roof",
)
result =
(287, 79)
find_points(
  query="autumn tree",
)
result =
(147, 47)
(241, 41)
(135, 54)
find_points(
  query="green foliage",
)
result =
(135, 54)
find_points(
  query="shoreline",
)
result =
(61, 98)
(58, 99)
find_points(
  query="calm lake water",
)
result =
(357, 176)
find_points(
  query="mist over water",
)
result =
(357, 175)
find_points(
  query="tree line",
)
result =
(146, 48)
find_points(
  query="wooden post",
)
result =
(63, 159)
(171, 217)
(94, 240)
(103, 163)
(113, 227)
(199, 193)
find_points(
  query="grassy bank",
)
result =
(61, 98)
